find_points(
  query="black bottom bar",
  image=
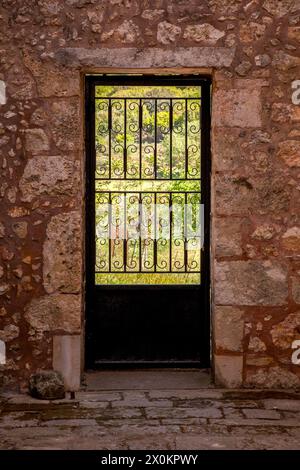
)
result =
(138, 459)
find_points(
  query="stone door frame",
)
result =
(200, 72)
(230, 115)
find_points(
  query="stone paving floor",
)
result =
(183, 419)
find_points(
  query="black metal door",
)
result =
(147, 220)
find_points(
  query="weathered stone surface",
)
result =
(291, 239)
(262, 60)
(256, 344)
(47, 385)
(167, 33)
(62, 254)
(228, 237)
(9, 333)
(296, 289)
(258, 361)
(2, 230)
(252, 31)
(127, 33)
(294, 33)
(52, 80)
(18, 211)
(281, 112)
(284, 62)
(149, 57)
(59, 312)
(20, 84)
(285, 332)
(233, 195)
(65, 123)
(4, 288)
(50, 176)
(227, 151)
(2, 353)
(37, 141)
(278, 8)
(228, 328)
(264, 232)
(243, 68)
(272, 194)
(229, 370)
(255, 155)
(274, 377)
(67, 359)
(261, 414)
(2, 92)
(20, 229)
(234, 110)
(250, 283)
(204, 33)
(152, 15)
(289, 151)
(226, 7)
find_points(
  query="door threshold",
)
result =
(148, 379)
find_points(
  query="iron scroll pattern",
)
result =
(148, 138)
(155, 140)
(148, 232)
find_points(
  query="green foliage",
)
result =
(149, 141)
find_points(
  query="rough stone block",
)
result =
(47, 385)
(62, 254)
(279, 8)
(291, 239)
(273, 377)
(258, 361)
(227, 152)
(2, 92)
(167, 33)
(2, 353)
(54, 313)
(20, 229)
(204, 33)
(228, 328)
(37, 141)
(237, 108)
(234, 195)
(250, 283)
(67, 359)
(272, 194)
(229, 371)
(228, 236)
(48, 175)
(52, 80)
(296, 289)
(65, 123)
(285, 332)
(289, 151)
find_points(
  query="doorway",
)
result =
(147, 221)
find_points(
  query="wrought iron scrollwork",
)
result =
(147, 139)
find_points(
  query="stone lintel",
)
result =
(131, 57)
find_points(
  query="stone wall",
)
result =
(251, 48)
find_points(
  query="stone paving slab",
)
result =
(153, 419)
